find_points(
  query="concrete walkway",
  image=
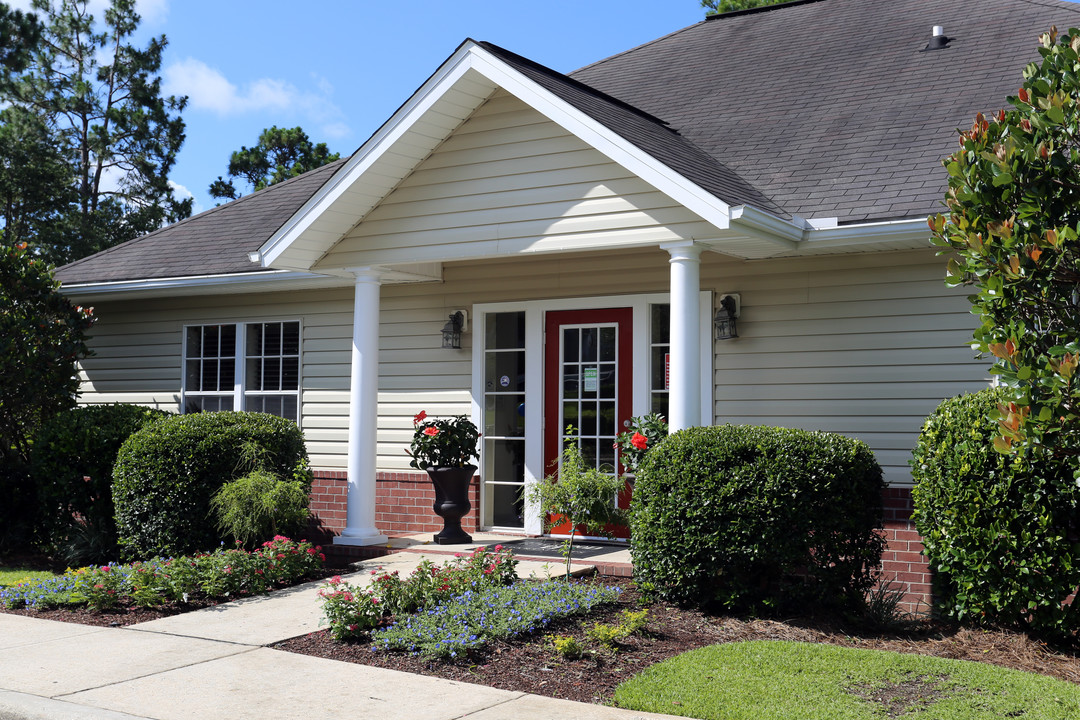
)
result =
(215, 663)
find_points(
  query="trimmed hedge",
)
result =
(166, 474)
(77, 444)
(745, 517)
(1002, 531)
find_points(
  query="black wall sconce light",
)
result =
(724, 322)
(451, 332)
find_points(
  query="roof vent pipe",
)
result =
(937, 39)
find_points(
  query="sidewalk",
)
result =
(215, 663)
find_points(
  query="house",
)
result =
(588, 228)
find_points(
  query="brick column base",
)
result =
(402, 504)
(903, 563)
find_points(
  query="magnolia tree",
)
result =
(1012, 231)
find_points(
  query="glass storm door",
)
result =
(587, 385)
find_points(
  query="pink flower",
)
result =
(431, 431)
(335, 580)
(419, 417)
(280, 556)
(498, 548)
(639, 441)
(352, 627)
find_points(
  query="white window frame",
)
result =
(534, 378)
(240, 363)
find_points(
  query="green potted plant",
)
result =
(580, 495)
(444, 448)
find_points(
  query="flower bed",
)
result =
(446, 611)
(476, 618)
(222, 574)
(351, 611)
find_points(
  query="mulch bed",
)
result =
(531, 665)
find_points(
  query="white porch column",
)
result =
(363, 412)
(684, 389)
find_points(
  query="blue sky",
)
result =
(340, 68)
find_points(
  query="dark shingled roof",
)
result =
(831, 108)
(645, 131)
(817, 108)
(213, 242)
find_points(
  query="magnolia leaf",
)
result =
(1003, 445)
(1002, 179)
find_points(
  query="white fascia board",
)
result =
(800, 235)
(383, 139)
(194, 282)
(692, 196)
(892, 230)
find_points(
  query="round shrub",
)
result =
(1002, 531)
(166, 474)
(72, 465)
(745, 517)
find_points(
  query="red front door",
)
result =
(588, 384)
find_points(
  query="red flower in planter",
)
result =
(639, 441)
(431, 431)
(419, 417)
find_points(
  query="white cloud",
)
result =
(153, 12)
(210, 90)
(182, 193)
(335, 131)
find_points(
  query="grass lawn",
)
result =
(13, 575)
(771, 680)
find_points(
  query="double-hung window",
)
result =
(251, 366)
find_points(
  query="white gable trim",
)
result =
(471, 57)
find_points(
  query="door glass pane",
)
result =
(607, 380)
(570, 414)
(504, 415)
(570, 345)
(504, 371)
(607, 419)
(588, 343)
(588, 419)
(661, 323)
(508, 507)
(505, 331)
(607, 343)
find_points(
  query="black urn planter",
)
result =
(452, 501)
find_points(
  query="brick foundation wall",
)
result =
(903, 562)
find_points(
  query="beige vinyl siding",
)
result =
(510, 181)
(863, 345)
(138, 348)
